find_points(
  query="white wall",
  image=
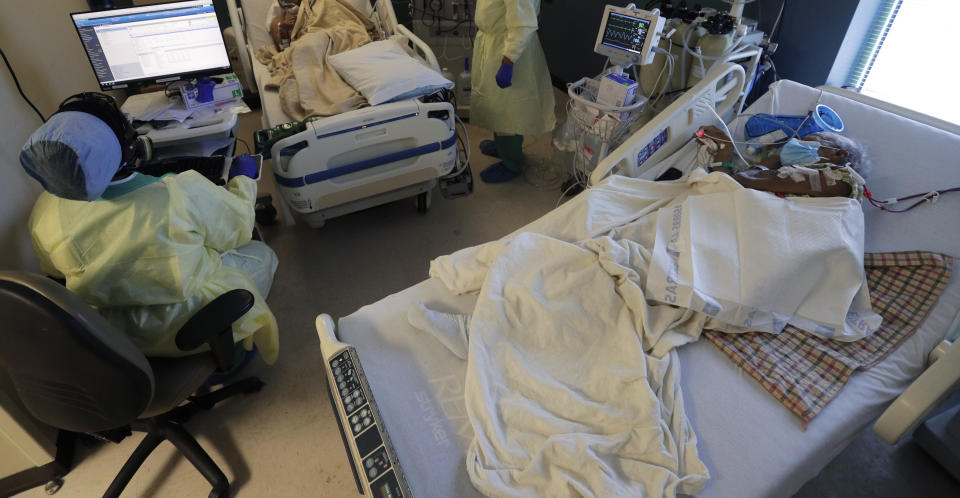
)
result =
(44, 50)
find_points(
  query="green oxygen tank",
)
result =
(717, 42)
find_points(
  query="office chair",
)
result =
(76, 372)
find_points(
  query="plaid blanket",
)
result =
(805, 372)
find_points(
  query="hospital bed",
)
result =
(358, 159)
(752, 445)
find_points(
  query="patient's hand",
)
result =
(724, 152)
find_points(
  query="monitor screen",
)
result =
(625, 32)
(154, 43)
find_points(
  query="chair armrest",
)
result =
(213, 325)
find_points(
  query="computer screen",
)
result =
(153, 43)
(625, 32)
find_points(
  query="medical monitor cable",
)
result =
(729, 134)
(246, 146)
(19, 88)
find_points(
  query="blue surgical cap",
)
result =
(74, 155)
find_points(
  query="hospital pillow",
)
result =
(383, 72)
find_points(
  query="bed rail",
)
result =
(418, 48)
(671, 129)
(240, 34)
(893, 108)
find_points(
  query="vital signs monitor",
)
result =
(627, 35)
(153, 43)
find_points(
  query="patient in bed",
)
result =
(820, 165)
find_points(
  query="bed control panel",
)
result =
(372, 456)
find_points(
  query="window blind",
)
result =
(879, 30)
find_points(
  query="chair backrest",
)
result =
(70, 367)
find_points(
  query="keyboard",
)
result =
(211, 167)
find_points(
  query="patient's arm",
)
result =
(724, 152)
(769, 181)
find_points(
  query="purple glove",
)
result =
(205, 90)
(504, 75)
(243, 165)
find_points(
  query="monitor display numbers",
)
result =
(625, 32)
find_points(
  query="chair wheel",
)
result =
(53, 486)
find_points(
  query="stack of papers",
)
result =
(156, 106)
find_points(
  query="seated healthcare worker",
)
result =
(147, 252)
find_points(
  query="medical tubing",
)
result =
(19, 88)
(686, 47)
(925, 197)
(724, 55)
(668, 58)
(729, 134)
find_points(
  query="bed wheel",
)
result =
(423, 202)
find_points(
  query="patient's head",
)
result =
(839, 149)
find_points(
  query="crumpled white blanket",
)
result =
(562, 391)
(307, 82)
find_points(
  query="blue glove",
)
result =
(243, 165)
(504, 75)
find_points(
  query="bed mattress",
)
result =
(752, 445)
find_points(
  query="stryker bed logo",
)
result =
(432, 418)
(445, 410)
(674, 252)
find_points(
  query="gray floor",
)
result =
(284, 440)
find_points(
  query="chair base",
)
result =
(167, 427)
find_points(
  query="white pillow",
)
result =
(383, 72)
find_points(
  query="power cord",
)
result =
(19, 88)
(245, 145)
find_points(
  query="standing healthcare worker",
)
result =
(147, 252)
(511, 91)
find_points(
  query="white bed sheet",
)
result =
(752, 445)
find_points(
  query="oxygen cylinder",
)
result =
(717, 42)
(681, 22)
(463, 90)
(681, 56)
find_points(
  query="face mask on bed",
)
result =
(799, 153)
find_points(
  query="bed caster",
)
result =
(423, 201)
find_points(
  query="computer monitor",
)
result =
(627, 36)
(153, 44)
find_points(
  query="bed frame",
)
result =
(419, 386)
(361, 158)
(671, 129)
